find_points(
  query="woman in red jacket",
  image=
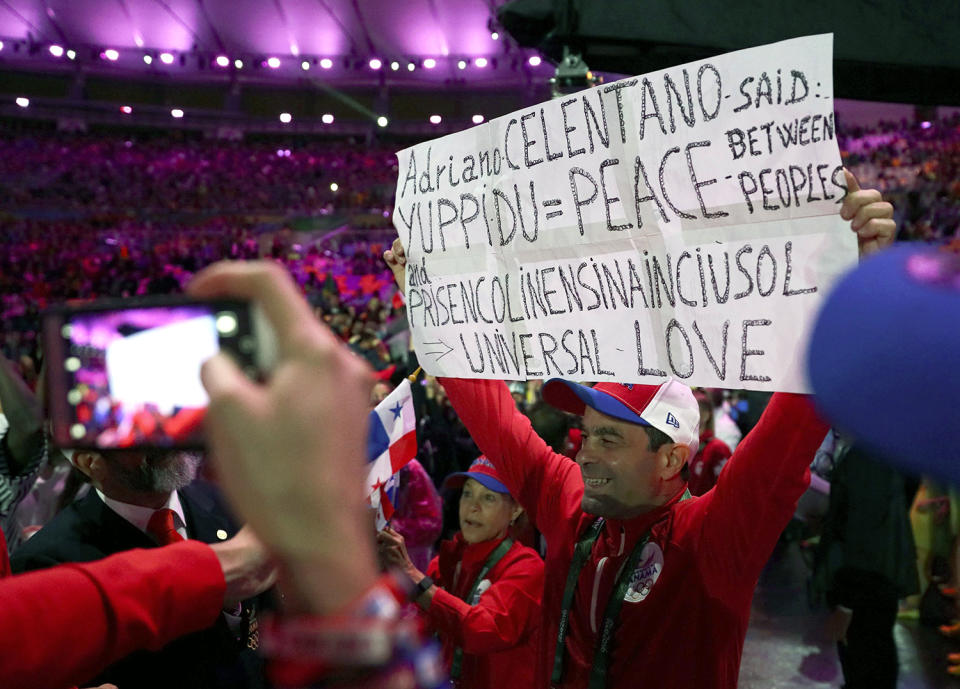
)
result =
(481, 594)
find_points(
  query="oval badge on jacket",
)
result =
(646, 574)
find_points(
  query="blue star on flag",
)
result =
(396, 410)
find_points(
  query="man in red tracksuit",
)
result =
(685, 610)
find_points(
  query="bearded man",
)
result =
(147, 499)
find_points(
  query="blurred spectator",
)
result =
(712, 453)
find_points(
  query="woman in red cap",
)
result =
(481, 594)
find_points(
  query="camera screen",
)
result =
(134, 375)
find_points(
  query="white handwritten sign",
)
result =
(680, 223)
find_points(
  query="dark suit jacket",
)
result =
(88, 530)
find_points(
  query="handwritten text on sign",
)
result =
(679, 223)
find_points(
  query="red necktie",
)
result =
(161, 526)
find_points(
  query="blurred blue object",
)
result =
(884, 357)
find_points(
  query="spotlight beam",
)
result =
(345, 99)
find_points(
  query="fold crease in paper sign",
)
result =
(680, 223)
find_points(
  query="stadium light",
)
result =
(286, 117)
(273, 62)
(326, 63)
(176, 113)
(480, 62)
(56, 50)
(23, 102)
(166, 58)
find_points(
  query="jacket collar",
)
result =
(473, 555)
(623, 533)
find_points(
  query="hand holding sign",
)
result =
(396, 260)
(871, 216)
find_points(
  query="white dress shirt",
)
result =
(140, 516)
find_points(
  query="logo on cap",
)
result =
(672, 420)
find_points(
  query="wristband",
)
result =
(422, 587)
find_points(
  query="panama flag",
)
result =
(392, 442)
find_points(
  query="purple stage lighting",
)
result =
(429, 63)
(480, 62)
(326, 63)
(56, 51)
(126, 109)
(166, 58)
(148, 59)
(462, 64)
(110, 54)
(327, 118)
(534, 61)
(477, 119)
(273, 62)
(286, 117)
(494, 35)
(71, 54)
(176, 113)
(23, 102)
(435, 119)
(223, 61)
(238, 63)
(305, 65)
(926, 125)
(394, 65)
(375, 63)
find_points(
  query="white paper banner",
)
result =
(680, 223)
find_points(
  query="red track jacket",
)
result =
(499, 635)
(61, 626)
(705, 554)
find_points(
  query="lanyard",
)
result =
(491, 561)
(601, 657)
